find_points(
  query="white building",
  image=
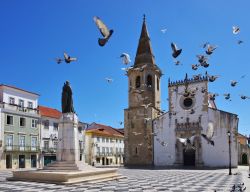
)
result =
(19, 132)
(104, 145)
(190, 114)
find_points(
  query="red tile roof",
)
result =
(2, 85)
(49, 112)
(104, 130)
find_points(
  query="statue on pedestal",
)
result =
(67, 99)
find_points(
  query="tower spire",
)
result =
(144, 52)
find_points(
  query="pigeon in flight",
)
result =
(210, 49)
(209, 133)
(106, 33)
(136, 133)
(59, 60)
(146, 105)
(212, 78)
(125, 58)
(197, 77)
(141, 69)
(109, 80)
(244, 97)
(177, 62)
(239, 42)
(236, 30)
(243, 76)
(227, 96)
(187, 142)
(163, 30)
(195, 66)
(176, 51)
(233, 83)
(68, 59)
(205, 45)
(203, 60)
(212, 96)
(203, 90)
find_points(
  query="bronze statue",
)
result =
(67, 99)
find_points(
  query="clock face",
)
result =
(187, 102)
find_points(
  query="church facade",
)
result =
(152, 137)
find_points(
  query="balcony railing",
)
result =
(48, 150)
(109, 153)
(18, 108)
(19, 148)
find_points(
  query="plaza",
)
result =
(145, 180)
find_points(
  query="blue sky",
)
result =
(34, 33)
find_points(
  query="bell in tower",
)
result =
(144, 103)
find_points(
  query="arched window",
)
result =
(158, 84)
(138, 82)
(149, 81)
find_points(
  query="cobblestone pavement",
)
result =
(171, 180)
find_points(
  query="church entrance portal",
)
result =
(189, 157)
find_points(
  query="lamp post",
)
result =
(229, 142)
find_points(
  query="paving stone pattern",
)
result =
(142, 180)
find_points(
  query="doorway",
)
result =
(33, 161)
(244, 159)
(21, 161)
(8, 161)
(189, 157)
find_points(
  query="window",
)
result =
(98, 149)
(158, 84)
(55, 126)
(80, 129)
(46, 144)
(103, 139)
(34, 123)
(12, 100)
(103, 149)
(188, 102)
(9, 120)
(22, 141)
(138, 82)
(9, 140)
(46, 124)
(21, 103)
(136, 151)
(107, 149)
(33, 143)
(30, 105)
(98, 139)
(55, 144)
(149, 81)
(107, 140)
(22, 122)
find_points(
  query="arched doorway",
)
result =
(189, 157)
(244, 159)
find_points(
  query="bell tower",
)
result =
(144, 103)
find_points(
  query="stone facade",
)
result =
(190, 115)
(144, 104)
(243, 150)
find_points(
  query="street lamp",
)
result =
(229, 142)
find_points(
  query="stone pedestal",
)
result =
(68, 144)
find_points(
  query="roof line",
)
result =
(19, 89)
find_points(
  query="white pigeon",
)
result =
(68, 59)
(236, 30)
(209, 133)
(187, 142)
(125, 58)
(163, 30)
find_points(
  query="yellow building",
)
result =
(104, 145)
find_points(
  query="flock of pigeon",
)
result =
(202, 62)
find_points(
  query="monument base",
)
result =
(90, 175)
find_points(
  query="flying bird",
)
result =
(141, 69)
(236, 30)
(244, 97)
(176, 51)
(212, 78)
(147, 118)
(109, 80)
(68, 59)
(187, 142)
(203, 60)
(212, 96)
(209, 133)
(205, 45)
(59, 60)
(239, 42)
(136, 133)
(106, 33)
(210, 49)
(177, 62)
(233, 83)
(227, 96)
(195, 66)
(163, 30)
(197, 77)
(203, 90)
(146, 105)
(125, 58)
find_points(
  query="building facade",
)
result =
(191, 112)
(18, 128)
(104, 145)
(144, 104)
(243, 149)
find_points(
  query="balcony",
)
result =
(18, 148)
(18, 108)
(48, 150)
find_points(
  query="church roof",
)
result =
(49, 112)
(144, 52)
(101, 129)
(186, 80)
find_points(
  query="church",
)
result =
(192, 133)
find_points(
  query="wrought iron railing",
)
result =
(19, 148)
